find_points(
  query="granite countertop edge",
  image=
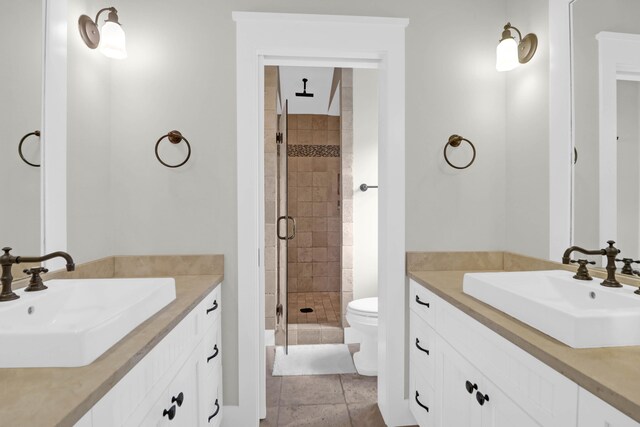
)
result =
(505, 328)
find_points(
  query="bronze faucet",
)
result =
(7, 260)
(610, 252)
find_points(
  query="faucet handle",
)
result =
(35, 284)
(7, 249)
(582, 273)
(627, 269)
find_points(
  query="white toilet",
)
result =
(362, 315)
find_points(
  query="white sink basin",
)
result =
(75, 321)
(578, 313)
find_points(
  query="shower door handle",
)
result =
(293, 231)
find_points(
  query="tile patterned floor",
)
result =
(325, 305)
(321, 400)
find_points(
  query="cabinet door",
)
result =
(594, 412)
(500, 411)
(179, 403)
(458, 386)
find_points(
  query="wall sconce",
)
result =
(112, 43)
(510, 53)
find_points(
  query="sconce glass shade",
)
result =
(507, 54)
(112, 41)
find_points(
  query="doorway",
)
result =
(320, 40)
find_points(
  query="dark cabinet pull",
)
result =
(426, 408)
(420, 348)
(215, 306)
(171, 412)
(470, 387)
(215, 353)
(216, 412)
(420, 302)
(179, 399)
(481, 398)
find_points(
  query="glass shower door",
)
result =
(285, 228)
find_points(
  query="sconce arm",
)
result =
(511, 27)
(111, 9)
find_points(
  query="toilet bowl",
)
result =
(362, 315)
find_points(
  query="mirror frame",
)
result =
(53, 215)
(618, 59)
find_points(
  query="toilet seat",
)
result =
(366, 307)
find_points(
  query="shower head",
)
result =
(304, 92)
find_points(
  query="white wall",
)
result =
(627, 167)
(89, 126)
(20, 113)
(365, 170)
(527, 136)
(180, 74)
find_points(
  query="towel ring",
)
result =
(175, 137)
(455, 141)
(36, 133)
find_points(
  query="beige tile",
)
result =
(305, 254)
(304, 121)
(320, 137)
(347, 120)
(305, 209)
(319, 122)
(320, 179)
(347, 233)
(347, 212)
(292, 256)
(292, 164)
(333, 283)
(333, 253)
(274, 385)
(333, 137)
(270, 75)
(319, 209)
(270, 305)
(333, 238)
(334, 336)
(270, 123)
(292, 284)
(319, 239)
(320, 283)
(320, 194)
(365, 415)
(309, 337)
(347, 79)
(320, 164)
(359, 389)
(319, 224)
(167, 265)
(333, 209)
(320, 255)
(292, 270)
(347, 280)
(272, 417)
(305, 284)
(305, 164)
(346, 100)
(305, 137)
(346, 143)
(333, 224)
(293, 122)
(333, 123)
(333, 269)
(270, 282)
(270, 98)
(305, 179)
(305, 194)
(292, 137)
(442, 261)
(320, 269)
(314, 416)
(305, 269)
(347, 257)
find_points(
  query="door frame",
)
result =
(337, 41)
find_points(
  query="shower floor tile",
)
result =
(325, 306)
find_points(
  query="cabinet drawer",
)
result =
(546, 395)
(423, 348)
(209, 310)
(423, 302)
(422, 399)
(211, 415)
(212, 352)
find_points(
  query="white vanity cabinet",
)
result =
(464, 374)
(593, 412)
(178, 383)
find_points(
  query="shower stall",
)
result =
(307, 167)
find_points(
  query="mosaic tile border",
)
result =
(297, 150)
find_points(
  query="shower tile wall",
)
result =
(314, 174)
(346, 134)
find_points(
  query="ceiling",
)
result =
(319, 83)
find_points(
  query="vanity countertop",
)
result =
(611, 373)
(61, 396)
